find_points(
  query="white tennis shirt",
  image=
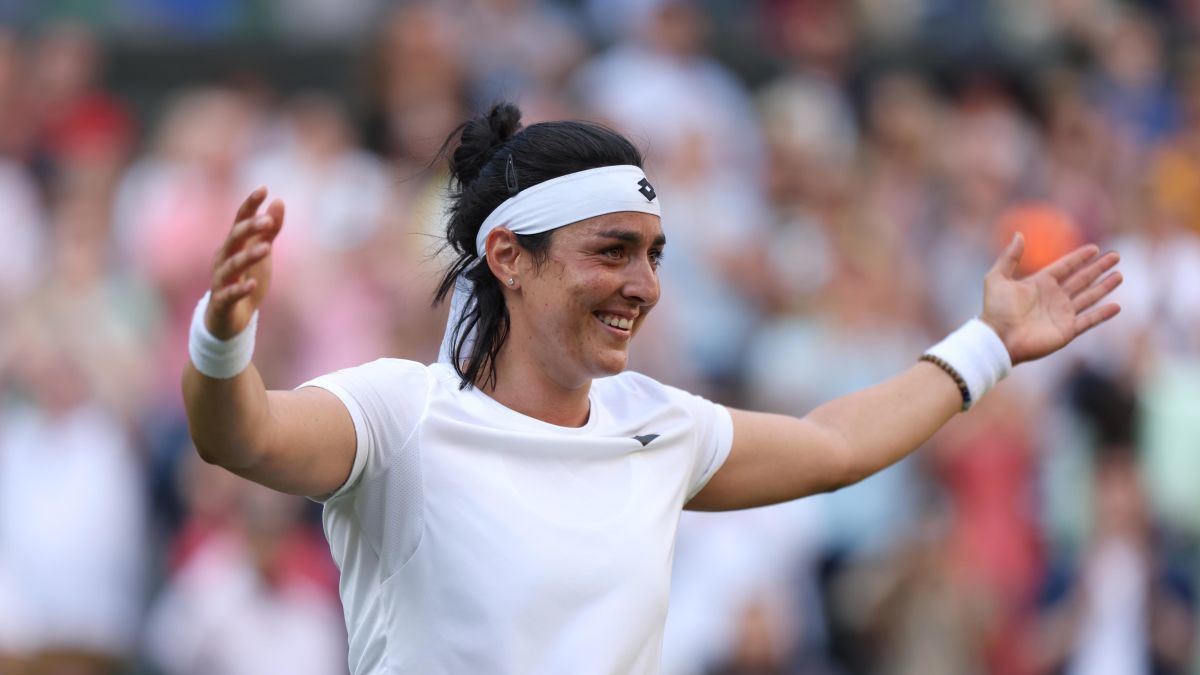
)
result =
(473, 539)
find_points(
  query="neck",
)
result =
(526, 386)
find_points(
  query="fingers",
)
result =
(1067, 265)
(241, 232)
(1006, 265)
(237, 264)
(1089, 320)
(250, 206)
(1082, 279)
(275, 213)
(247, 244)
(221, 301)
(1093, 294)
(248, 225)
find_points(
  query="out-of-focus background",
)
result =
(836, 177)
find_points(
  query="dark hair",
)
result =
(495, 158)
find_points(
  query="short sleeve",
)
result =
(714, 437)
(386, 400)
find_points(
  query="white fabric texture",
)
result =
(570, 199)
(471, 538)
(977, 354)
(214, 357)
(550, 205)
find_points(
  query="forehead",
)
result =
(646, 227)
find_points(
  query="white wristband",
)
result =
(977, 355)
(216, 358)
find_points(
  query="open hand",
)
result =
(242, 266)
(1041, 313)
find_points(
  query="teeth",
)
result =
(616, 321)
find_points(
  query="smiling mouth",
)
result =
(615, 322)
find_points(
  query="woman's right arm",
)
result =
(300, 442)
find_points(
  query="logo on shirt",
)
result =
(645, 440)
(647, 190)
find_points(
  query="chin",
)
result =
(612, 365)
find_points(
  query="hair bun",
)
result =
(481, 138)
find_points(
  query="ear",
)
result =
(504, 255)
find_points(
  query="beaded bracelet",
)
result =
(958, 380)
(974, 356)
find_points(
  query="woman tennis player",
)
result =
(512, 508)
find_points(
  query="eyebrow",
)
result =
(631, 237)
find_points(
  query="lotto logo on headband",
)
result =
(647, 190)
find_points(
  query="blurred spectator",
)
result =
(914, 610)
(525, 51)
(811, 150)
(988, 150)
(72, 511)
(117, 311)
(336, 195)
(250, 593)
(986, 465)
(660, 86)
(1131, 88)
(1076, 171)
(862, 325)
(1175, 167)
(815, 38)
(416, 84)
(22, 257)
(900, 181)
(78, 122)
(175, 205)
(1161, 257)
(1122, 604)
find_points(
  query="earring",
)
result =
(510, 281)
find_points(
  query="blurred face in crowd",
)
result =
(66, 62)
(1120, 499)
(579, 310)
(902, 113)
(678, 29)
(1133, 55)
(48, 370)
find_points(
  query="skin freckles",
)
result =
(590, 270)
(607, 265)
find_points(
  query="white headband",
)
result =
(550, 205)
(570, 199)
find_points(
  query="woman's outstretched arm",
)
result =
(300, 442)
(777, 458)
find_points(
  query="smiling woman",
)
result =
(513, 507)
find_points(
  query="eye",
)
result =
(656, 258)
(613, 252)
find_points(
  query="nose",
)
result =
(641, 284)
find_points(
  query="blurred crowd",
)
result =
(837, 176)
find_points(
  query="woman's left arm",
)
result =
(776, 458)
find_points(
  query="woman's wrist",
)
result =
(974, 356)
(214, 357)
